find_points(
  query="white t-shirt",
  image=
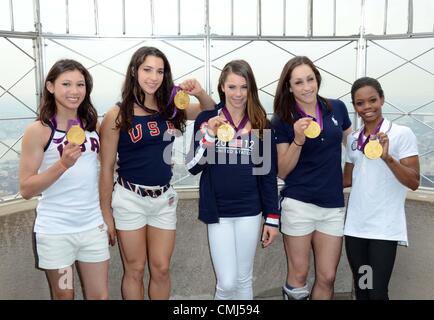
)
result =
(376, 203)
(71, 203)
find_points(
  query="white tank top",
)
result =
(71, 204)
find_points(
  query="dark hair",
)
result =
(86, 111)
(255, 111)
(284, 101)
(131, 88)
(366, 82)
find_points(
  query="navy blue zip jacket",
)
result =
(239, 178)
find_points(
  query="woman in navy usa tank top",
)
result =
(138, 133)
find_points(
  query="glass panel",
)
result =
(296, 18)
(423, 17)
(110, 17)
(272, 17)
(81, 17)
(5, 21)
(374, 16)
(10, 135)
(245, 17)
(55, 23)
(323, 17)
(138, 17)
(220, 16)
(397, 16)
(166, 17)
(23, 15)
(8, 173)
(192, 17)
(348, 17)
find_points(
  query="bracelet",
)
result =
(300, 145)
(63, 165)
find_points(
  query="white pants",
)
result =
(233, 243)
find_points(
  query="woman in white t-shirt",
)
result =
(382, 163)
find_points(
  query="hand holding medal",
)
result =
(313, 130)
(315, 126)
(373, 149)
(181, 100)
(376, 144)
(75, 134)
(225, 132)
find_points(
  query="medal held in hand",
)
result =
(313, 130)
(225, 132)
(373, 149)
(76, 135)
(181, 100)
(315, 126)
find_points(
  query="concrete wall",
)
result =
(191, 269)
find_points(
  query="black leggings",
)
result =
(365, 255)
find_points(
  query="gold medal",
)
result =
(225, 132)
(182, 100)
(76, 135)
(373, 149)
(313, 130)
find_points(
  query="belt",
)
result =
(141, 191)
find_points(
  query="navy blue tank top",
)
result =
(145, 151)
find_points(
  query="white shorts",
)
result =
(132, 211)
(58, 251)
(300, 218)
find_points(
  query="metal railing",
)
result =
(209, 60)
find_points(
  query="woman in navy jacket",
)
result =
(238, 180)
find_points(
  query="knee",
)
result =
(135, 272)
(300, 276)
(326, 279)
(227, 285)
(160, 271)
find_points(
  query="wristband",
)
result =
(300, 145)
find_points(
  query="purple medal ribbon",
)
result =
(318, 114)
(231, 121)
(360, 143)
(71, 122)
(173, 93)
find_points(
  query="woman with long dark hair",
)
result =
(310, 131)
(63, 167)
(139, 132)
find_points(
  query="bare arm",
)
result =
(287, 158)
(33, 183)
(405, 170)
(109, 144)
(345, 135)
(194, 88)
(348, 174)
(289, 153)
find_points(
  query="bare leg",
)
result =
(95, 279)
(160, 249)
(327, 251)
(133, 252)
(61, 283)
